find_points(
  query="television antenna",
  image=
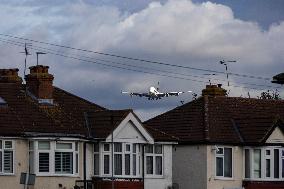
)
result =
(38, 53)
(225, 63)
(27, 53)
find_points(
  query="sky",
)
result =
(189, 33)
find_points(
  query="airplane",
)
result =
(154, 94)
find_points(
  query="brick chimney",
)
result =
(10, 76)
(39, 82)
(214, 90)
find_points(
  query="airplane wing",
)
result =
(136, 94)
(175, 93)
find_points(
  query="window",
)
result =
(126, 160)
(224, 162)
(96, 159)
(57, 157)
(154, 159)
(247, 163)
(64, 158)
(266, 163)
(6, 157)
(118, 158)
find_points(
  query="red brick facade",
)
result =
(127, 184)
(263, 184)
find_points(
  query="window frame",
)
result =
(223, 177)
(264, 156)
(3, 149)
(153, 154)
(52, 150)
(123, 153)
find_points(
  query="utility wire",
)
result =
(141, 67)
(136, 59)
(119, 67)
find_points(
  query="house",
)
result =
(64, 139)
(226, 142)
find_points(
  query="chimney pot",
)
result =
(214, 90)
(10, 76)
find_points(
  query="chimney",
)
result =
(39, 82)
(10, 76)
(214, 90)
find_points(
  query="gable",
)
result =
(130, 130)
(276, 136)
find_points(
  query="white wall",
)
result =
(166, 179)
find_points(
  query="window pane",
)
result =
(158, 149)
(257, 163)
(117, 147)
(43, 162)
(219, 166)
(149, 164)
(65, 146)
(106, 164)
(247, 163)
(276, 163)
(0, 161)
(8, 144)
(64, 162)
(43, 145)
(267, 167)
(149, 148)
(159, 165)
(106, 147)
(76, 146)
(267, 152)
(96, 164)
(282, 168)
(77, 163)
(127, 164)
(134, 148)
(117, 164)
(134, 164)
(96, 147)
(8, 162)
(228, 162)
(0, 144)
(127, 147)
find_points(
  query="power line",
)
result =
(136, 59)
(50, 51)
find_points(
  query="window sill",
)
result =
(7, 174)
(154, 176)
(224, 178)
(57, 175)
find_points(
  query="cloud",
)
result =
(176, 32)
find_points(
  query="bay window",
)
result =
(6, 157)
(224, 162)
(154, 160)
(266, 163)
(126, 159)
(56, 158)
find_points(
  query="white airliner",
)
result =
(154, 94)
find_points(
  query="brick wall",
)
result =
(263, 184)
(101, 184)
